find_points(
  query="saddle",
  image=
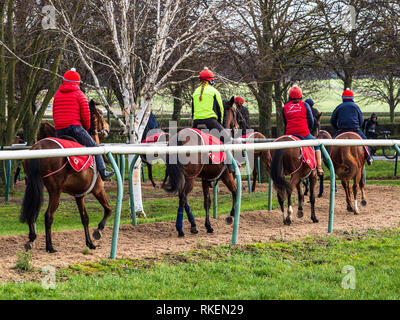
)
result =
(155, 137)
(307, 154)
(208, 139)
(78, 163)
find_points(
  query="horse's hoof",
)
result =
(211, 230)
(97, 234)
(287, 222)
(315, 220)
(300, 214)
(320, 195)
(363, 203)
(229, 220)
(28, 246)
(181, 234)
(350, 209)
(91, 246)
(51, 250)
(194, 230)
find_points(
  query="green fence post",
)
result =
(259, 169)
(117, 218)
(215, 199)
(246, 159)
(131, 197)
(238, 197)
(397, 155)
(270, 184)
(8, 179)
(122, 167)
(332, 191)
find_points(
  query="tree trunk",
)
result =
(264, 100)
(280, 127)
(177, 93)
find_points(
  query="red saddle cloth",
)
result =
(78, 163)
(307, 153)
(358, 137)
(154, 138)
(208, 139)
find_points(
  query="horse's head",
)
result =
(98, 125)
(230, 117)
(317, 122)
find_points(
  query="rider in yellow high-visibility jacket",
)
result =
(207, 105)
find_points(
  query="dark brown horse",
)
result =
(183, 175)
(322, 135)
(288, 162)
(349, 162)
(58, 176)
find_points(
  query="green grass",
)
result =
(307, 269)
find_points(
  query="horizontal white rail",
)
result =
(161, 150)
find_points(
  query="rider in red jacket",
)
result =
(299, 121)
(71, 116)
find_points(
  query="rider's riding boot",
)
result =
(320, 171)
(106, 175)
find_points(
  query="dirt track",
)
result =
(151, 239)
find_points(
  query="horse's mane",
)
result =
(243, 119)
(228, 105)
(93, 111)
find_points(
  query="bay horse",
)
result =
(183, 175)
(264, 155)
(289, 162)
(58, 176)
(349, 163)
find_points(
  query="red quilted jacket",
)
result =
(70, 107)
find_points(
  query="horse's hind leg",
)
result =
(346, 187)
(182, 205)
(229, 181)
(355, 191)
(85, 221)
(100, 195)
(313, 182)
(207, 204)
(362, 188)
(321, 186)
(188, 188)
(54, 201)
(150, 174)
(300, 200)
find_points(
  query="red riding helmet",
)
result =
(239, 101)
(71, 76)
(206, 75)
(295, 92)
(348, 94)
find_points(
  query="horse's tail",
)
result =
(280, 183)
(33, 198)
(174, 171)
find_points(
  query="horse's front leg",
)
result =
(321, 186)
(150, 174)
(300, 200)
(182, 204)
(362, 188)
(313, 182)
(85, 221)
